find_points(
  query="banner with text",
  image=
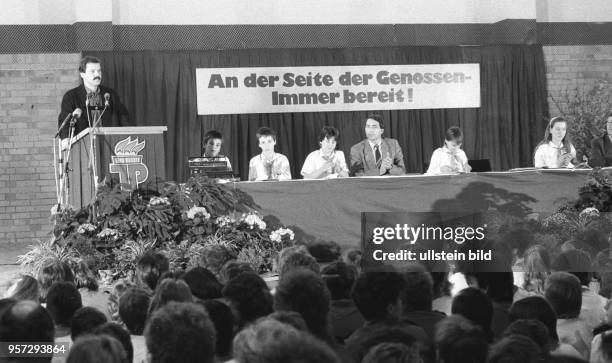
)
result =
(223, 91)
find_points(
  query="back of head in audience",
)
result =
(149, 267)
(119, 288)
(270, 341)
(291, 318)
(473, 304)
(418, 293)
(534, 330)
(499, 286)
(298, 261)
(85, 320)
(536, 307)
(249, 297)
(84, 276)
(222, 318)
(133, 307)
(304, 291)
(458, 340)
(53, 270)
(118, 332)
(352, 257)
(564, 293)
(324, 252)
(514, 349)
(536, 265)
(214, 257)
(387, 334)
(63, 300)
(392, 353)
(339, 278)
(203, 283)
(180, 332)
(576, 262)
(96, 349)
(26, 321)
(288, 251)
(377, 295)
(25, 287)
(232, 269)
(169, 290)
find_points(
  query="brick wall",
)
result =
(31, 87)
(568, 67)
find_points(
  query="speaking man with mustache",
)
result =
(90, 104)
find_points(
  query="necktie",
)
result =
(377, 153)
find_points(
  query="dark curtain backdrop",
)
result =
(158, 88)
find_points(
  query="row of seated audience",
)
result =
(223, 311)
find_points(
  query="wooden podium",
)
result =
(129, 155)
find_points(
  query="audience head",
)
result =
(329, 137)
(118, 290)
(149, 267)
(519, 239)
(564, 293)
(249, 297)
(387, 334)
(180, 332)
(288, 251)
(213, 257)
(291, 318)
(270, 341)
(298, 261)
(532, 329)
(24, 287)
(339, 278)
(133, 306)
(234, 268)
(85, 321)
(169, 290)
(536, 307)
(418, 293)
(499, 286)
(63, 300)
(26, 321)
(536, 265)
(53, 270)
(213, 140)
(118, 332)
(377, 295)
(392, 353)
(514, 349)
(304, 291)
(352, 257)
(84, 276)
(458, 340)
(97, 348)
(474, 305)
(223, 320)
(576, 262)
(323, 251)
(203, 283)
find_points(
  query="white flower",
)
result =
(159, 201)
(195, 211)
(55, 210)
(224, 221)
(86, 227)
(253, 219)
(277, 236)
(108, 232)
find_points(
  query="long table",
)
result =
(331, 209)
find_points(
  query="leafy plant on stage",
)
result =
(46, 250)
(585, 109)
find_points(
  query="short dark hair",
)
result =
(299, 261)
(474, 305)
(87, 59)
(576, 262)
(292, 318)
(85, 320)
(212, 134)
(84, 276)
(339, 278)
(118, 332)
(374, 291)
(392, 353)
(532, 329)
(514, 349)
(304, 291)
(453, 133)
(535, 307)
(606, 345)
(26, 321)
(376, 117)
(150, 266)
(97, 348)
(324, 251)
(170, 290)
(180, 332)
(265, 131)
(328, 132)
(386, 334)
(63, 300)
(233, 268)
(26, 288)
(564, 293)
(418, 293)
(133, 306)
(250, 296)
(53, 270)
(222, 318)
(458, 340)
(203, 283)
(213, 257)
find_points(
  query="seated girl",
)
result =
(327, 162)
(269, 165)
(556, 149)
(449, 159)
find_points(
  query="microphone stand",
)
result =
(92, 139)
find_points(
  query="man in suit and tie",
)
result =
(376, 155)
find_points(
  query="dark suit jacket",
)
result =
(601, 151)
(363, 161)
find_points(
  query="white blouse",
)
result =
(442, 157)
(278, 168)
(546, 155)
(315, 160)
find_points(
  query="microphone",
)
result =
(72, 117)
(106, 99)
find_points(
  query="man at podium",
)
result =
(90, 104)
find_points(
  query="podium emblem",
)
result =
(128, 164)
